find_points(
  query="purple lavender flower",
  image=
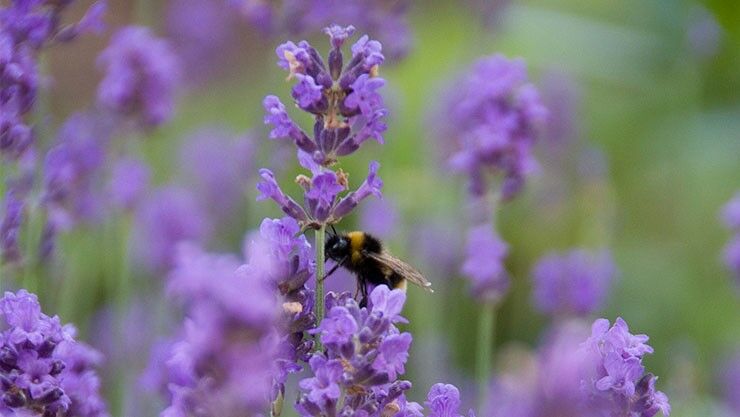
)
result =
(10, 228)
(322, 203)
(570, 377)
(575, 282)
(70, 172)
(443, 400)
(732, 256)
(203, 33)
(731, 213)
(228, 342)
(729, 376)
(217, 165)
(141, 76)
(342, 98)
(615, 381)
(365, 353)
(383, 17)
(380, 217)
(129, 181)
(484, 263)
(167, 217)
(45, 371)
(492, 115)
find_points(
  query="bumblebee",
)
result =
(364, 255)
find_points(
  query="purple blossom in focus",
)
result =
(575, 282)
(45, 371)
(322, 201)
(365, 355)
(341, 96)
(616, 383)
(167, 217)
(489, 124)
(365, 352)
(573, 377)
(141, 76)
(484, 263)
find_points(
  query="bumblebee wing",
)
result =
(401, 268)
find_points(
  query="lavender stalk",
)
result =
(484, 350)
(320, 260)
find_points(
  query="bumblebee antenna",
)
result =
(334, 231)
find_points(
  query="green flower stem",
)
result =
(320, 260)
(484, 350)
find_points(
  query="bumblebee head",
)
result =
(337, 247)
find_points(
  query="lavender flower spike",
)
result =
(141, 75)
(45, 371)
(342, 98)
(484, 263)
(575, 282)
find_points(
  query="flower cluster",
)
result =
(384, 17)
(43, 370)
(286, 258)
(365, 356)
(616, 382)
(237, 334)
(601, 376)
(141, 75)
(731, 219)
(575, 282)
(26, 28)
(343, 99)
(223, 363)
(347, 110)
(493, 115)
(484, 263)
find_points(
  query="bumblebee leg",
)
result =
(333, 269)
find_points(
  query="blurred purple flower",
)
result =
(141, 76)
(443, 400)
(217, 165)
(729, 380)
(571, 377)
(202, 33)
(45, 371)
(492, 116)
(732, 257)
(71, 170)
(703, 34)
(575, 282)
(129, 182)
(10, 228)
(731, 213)
(167, 217)
(380, 217)
(484, 263)
(228, 341)
(385, 18)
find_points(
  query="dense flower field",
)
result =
(369, 209)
